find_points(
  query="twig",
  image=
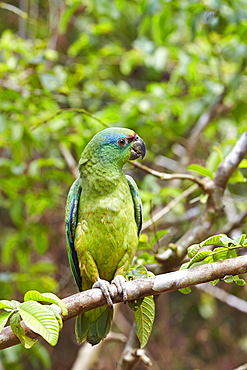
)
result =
(73, 166)
(75, 110)
(237, 223)
(169, 206)
(89, 299)
(165, 176)
(214, 111)
(132, 353)
(214, 205)
(230, 299)
(88, 355)
(203, 121)
(242, 367)
(231, 162)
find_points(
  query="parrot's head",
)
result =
(115, 146)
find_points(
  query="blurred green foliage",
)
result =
(156, 66)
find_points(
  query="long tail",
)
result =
(94, 325)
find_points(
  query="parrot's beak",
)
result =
(138, 148)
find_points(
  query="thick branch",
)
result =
(231, 162)
(85, 301)
(215, 188)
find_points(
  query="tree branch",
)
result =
(168, 207)
(89, 299)
(215, 188)
(167, 176)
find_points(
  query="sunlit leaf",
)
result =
(15, 323)
(144, 318)
(158, 235)
(186, 290)
(199, 257)
(34, 295)
(200, 169)
(4, 316)
(41, 320)
(193, 249)
(6, 304)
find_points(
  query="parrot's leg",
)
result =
(104, 286)
(89, 271)
(120, 281)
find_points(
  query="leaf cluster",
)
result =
(221, 248)
(44, 320)
(144, 308)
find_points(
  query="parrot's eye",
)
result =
(122, 142)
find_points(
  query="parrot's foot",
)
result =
(104, 286)
(120, 281)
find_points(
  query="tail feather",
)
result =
(93, 332)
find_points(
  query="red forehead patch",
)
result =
(131, 138)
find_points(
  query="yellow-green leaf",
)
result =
(4, 318)
(144, 318)
(15, 323)
(41, 320)
(6, 304)
(34, 295)
(201, 170)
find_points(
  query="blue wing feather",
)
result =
(71, 222)
(137, 202)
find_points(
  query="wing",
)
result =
(137, 202)
(71, 217)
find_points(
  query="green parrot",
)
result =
(103, 222)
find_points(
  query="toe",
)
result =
(120, 281)
(104, 286)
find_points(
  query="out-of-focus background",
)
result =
(163, 68)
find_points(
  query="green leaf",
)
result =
(243, 163)
(220, 254)
(139, 272)
(193, 249)
(234, 279)
(237, 176)
(228, 279)
(15, 323)
(57, 315)
(6, 304)
(66, 16)
(184, 266)
(186, 290)
(41, 320)
(199, 257)
(201, 170)
(226, 240)
(216, 240)
(239, 281)
(239, 240)
(34, 295)
(4, 318)
(158, 236)
(144, 308)
(144, 318)
(214, 282)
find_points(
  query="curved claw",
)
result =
(104, 286)
(120, 281)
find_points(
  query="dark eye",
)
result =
(122, 142)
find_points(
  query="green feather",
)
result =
(103, 221)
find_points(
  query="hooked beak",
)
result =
(138, 149)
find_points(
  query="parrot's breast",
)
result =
(107, 229)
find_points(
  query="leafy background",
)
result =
(157, 67)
